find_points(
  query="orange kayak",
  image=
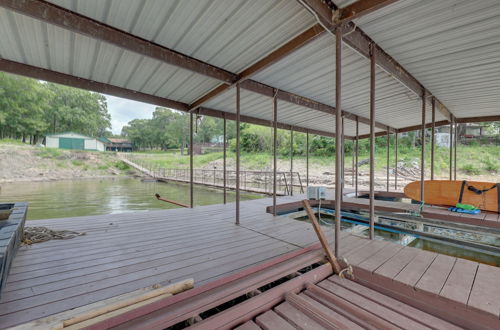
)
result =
(483, 195)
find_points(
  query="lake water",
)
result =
(57, 199)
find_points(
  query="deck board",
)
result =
(124, 252)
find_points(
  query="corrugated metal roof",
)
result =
(450, 46)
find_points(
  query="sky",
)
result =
(123, 110)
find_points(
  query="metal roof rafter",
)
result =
(82, 83)
(359, 41)
(77, 23)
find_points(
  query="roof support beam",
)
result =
(360, 42)
(294, 44)
(69, 80)
(69, 20)
(77, 23)
(358, 9)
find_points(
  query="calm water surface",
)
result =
(57, 199)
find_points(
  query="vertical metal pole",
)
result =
(224, 158)
(396, 162)
(455, 154)
(372, 142)
(338, 136)
(357, 152)
(433, 138)
(388, 145)
(422, 156)
(275, 146)
(237, 153)
(451, 148)
(191, 187)
(307, 159)
(291, 161)
(343, 158)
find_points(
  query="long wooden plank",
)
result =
(393, 304)
(36, 307)
(370, 306)
(270, 321)
(297, 318)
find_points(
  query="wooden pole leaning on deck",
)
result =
(372, 142)
(433, 138)
(275, 147)
(332, 259)
(422, 156)
(158, 197)
(191, 187)
(338, 136)
(224, 159)
(237, 153)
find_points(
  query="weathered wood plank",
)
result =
(436, 275)
(459, 282)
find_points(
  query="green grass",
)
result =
(472, 160)
(49, 153)
(12, 141)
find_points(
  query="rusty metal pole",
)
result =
(291, 161)
(338, 137)
(224, 158)
(372, 142)
(451, 148)
(388, 154)
(191, 187)
(307, 159)
(237, 153)
(343, 158)
(396, 162)
(357, 152)
(455, 153)
(275, 146)
(433, 138)
(422, 156)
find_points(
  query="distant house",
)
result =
(74, 141)
(113, 144)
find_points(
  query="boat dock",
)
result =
(123, 252)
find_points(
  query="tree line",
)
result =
(31, 109)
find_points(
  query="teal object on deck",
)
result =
(460, 210)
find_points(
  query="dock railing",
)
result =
(251, 181)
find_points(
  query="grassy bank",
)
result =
(23, 162)
(471, 160)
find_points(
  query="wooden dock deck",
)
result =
(124, 252)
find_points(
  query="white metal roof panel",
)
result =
(450, 46)
(231, 34)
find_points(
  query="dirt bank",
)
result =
(29, 163)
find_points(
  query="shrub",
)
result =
(471, 169)
(122, 166)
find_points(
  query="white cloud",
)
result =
(123, 110)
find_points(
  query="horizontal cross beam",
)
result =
(82, 83)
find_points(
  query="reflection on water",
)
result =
(57, 199)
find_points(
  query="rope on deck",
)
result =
(42, 234)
